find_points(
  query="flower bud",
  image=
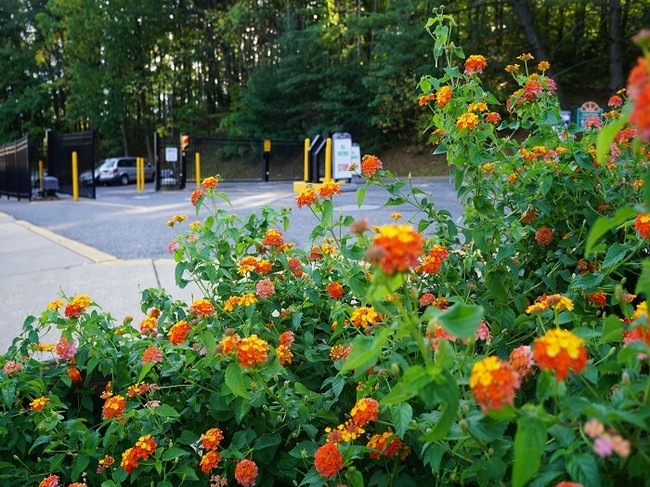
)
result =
(395, 370)
(229, 332)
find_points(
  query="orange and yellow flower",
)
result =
(284, 354)
(434, 259)
(475, 64)
(54, 305)
(370, 165)
(329, 188)
(114, 407)
(50, 481)
(328, 460)
(560, 350)
(273, 238)
(212, 438)
(364, 411)
(642, 225)
(252, 351)
(396, 248)
(203, 308)
(178, 332)
(544, 236)
(364, 316)
(335, 290)
(196, 195)
(209, 461)
(306, 198)
(388, 445)
(77, 305)
(443, 96)
(38, 404)
(152, 355)
(246, 265)
(75, 375)
(493, 383)
(467, 121)
(209, 182)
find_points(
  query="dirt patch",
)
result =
(415, 160)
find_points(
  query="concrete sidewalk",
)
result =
(37, 266)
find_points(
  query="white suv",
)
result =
(122, 170)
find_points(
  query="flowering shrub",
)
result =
(506, 346)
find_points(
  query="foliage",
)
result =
(461, 353)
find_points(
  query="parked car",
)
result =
(122, 170)
(85, 177)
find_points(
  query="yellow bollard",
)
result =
(328, 160)
(137, 174)
(306, 164)
(75, 177)
(197, 168)
(141, 173)
(40, 174)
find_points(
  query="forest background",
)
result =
(284, 68)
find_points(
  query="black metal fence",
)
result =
(15, 169)
(59, 160)
(233, 159)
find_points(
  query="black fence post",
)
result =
(157, 165)
(267, 159)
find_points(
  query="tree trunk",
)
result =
(616, 77)
(522, 10)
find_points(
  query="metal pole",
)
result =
(306, 162)
(197, 169)
(41, 171)
(157, 164)
(267, 159)
(328, 160)
(75, 180)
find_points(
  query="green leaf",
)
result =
(328, 210)
(612, 330)
(584, 469)
(173, 452)
(604, 225)
(461, 320)
(145, 370)
(166, 411)
(615, 253)
(361, 194)
(643, 284)
(209, 342)
(383, 284)
(402, 414)
(448, 391)
(354, 477)
(235, 381)
(606, 137)
(530, 440)
(414, 379)
(364, 352)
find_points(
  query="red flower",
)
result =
(493, 117)
(615, 101)
(328, 460)
(640, 115)
(287, 338)
(75, 375)
(642, 225)
(335, 290)
(365, 411)
(598, 298)
(50, 481)
(196, 195)
(246, 473)
(386, 444)
(544, 236)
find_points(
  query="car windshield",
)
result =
(107, 163)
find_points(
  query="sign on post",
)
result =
(341, 156)
(171, 154)
(588, 109)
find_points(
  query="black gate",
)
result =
(233, 159)
(59, 160)
(15, 169)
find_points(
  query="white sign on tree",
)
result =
(341, 155)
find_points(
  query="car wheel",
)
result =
(124, 179)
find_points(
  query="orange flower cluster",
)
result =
(229, 343)
(344, 432)
(598, 298)
(434, 259)
(328, 460)
(114, 407)
(340, 352)
(370, 165)
(428, 299)
(210, 460)
(273, 238)
(246, 473)
(38, 404)
(335, 290)
(493, 117)
(197, 194)
(396, 248)
(329, 188)
(543, 66)
(544, 236)
(425, 99)
(50, 481)
(638, 87)
(143, 449)
(176, 219)
(493, 383)
(77, 305)
(141, 388)
(178, 332)
(152, 355)
(104, 463)
(12, 367)
(560, 350)
(75, 375)
(246, 265)
(306, 198)
(203, 308)
(209, 182)
(387, 445)
(243, 300)
(467, 121)
(641, 333)
(252, 351)
(475, 64)
(364, 316)
(263, 267)
(284, 354)
(443, 96)
(149, 326)
(364, 411)
(642, 225)
(554, 301)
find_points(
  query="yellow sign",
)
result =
(185, 142)
(267, 145)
